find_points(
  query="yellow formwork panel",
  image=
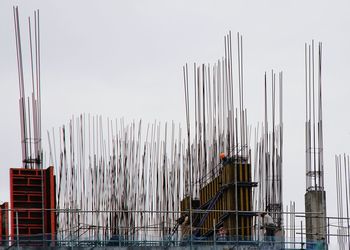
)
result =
(228, 199)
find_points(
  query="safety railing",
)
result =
(123, 228)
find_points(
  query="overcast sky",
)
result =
(125, 58)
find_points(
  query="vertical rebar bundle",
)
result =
(114, 167)
(30, 107)
(342, 168)
(220, 124)
(269, 153)
(313, 123)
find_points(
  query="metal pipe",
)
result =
(17, 230)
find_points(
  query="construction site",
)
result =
(214, 183)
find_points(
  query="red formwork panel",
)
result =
(31, 191)
(4, 224)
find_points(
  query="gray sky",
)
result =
(125, 58)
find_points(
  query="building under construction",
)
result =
(112, 185)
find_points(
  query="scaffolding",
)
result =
(78, 234)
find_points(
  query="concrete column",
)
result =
(315, 209)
